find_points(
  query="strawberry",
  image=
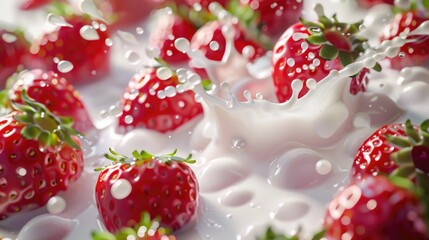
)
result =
(375, 208)
(39, 157)
(210, 40)
(412, 53)
(272, 17)
(34, 4)
(90, 58)
(203, 4)
(55, 92)
(143, 107)
(123, 13)
(140, 231)
(164, 186)
(13, 52)
(167, 29)
(371, 3)
(310, 50)
(394, 148)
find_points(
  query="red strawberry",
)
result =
(90, 58)
(167, 29)
(371, 3)
(398, 148)
(13, 51)
(373, 208)
(122, 13)
(55, 92)
(33, 4)
(145, 108)
(163, 186)
(272, 17)
(413, 53)
(39, 156)
(310, 50)
(210, 40)
(140, 231)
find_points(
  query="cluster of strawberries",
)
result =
(40, 134)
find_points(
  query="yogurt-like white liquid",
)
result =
(259, 163)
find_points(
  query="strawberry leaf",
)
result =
(377, 67)
(328, 52)
(345, 58)
(316, 39)
(425, 4)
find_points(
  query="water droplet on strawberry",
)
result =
(88, 33)
(121, 189)
(108, 42)
(65, 66)
(9, 38)
(164, 73)
(132, 57)
(139, 30)
(57, 20)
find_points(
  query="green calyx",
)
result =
(198, 17)
(337, 39)
(250, 20)
(141, 157)
(411, 7)
(405, 157)
(61, 8)
(270, 234)
(42, 125)
(146, 227)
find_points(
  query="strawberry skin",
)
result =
(275, 16)
(373, 157)
(372, 208)
(12, 54)
(415, 53)
(212, 32)
(295, 58)
(140, 101)
(169, 28)
(56, 93)
(90, 58)
(168, 190)
(30, 177)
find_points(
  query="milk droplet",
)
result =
(248, 51)
(214, 45)
(323, 167)
(64, 66)
(21, 171)
(108, 42)
(9, 38)
(129, 119)
(56, 205)
(121, 189)
(115, 111)
(88, 7)
(57, 20)
(139, 30)
(132, 57)
(153, 52)
(422, 29)
(127, 37)
(164, 73)
(88, 32)
(182, 44)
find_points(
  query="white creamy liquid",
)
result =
(258, 163)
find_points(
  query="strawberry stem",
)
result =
(41, 124)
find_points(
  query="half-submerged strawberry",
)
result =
(40, 156)
(416, 50)
(164, 186)
(157, 104)
(311, 50)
